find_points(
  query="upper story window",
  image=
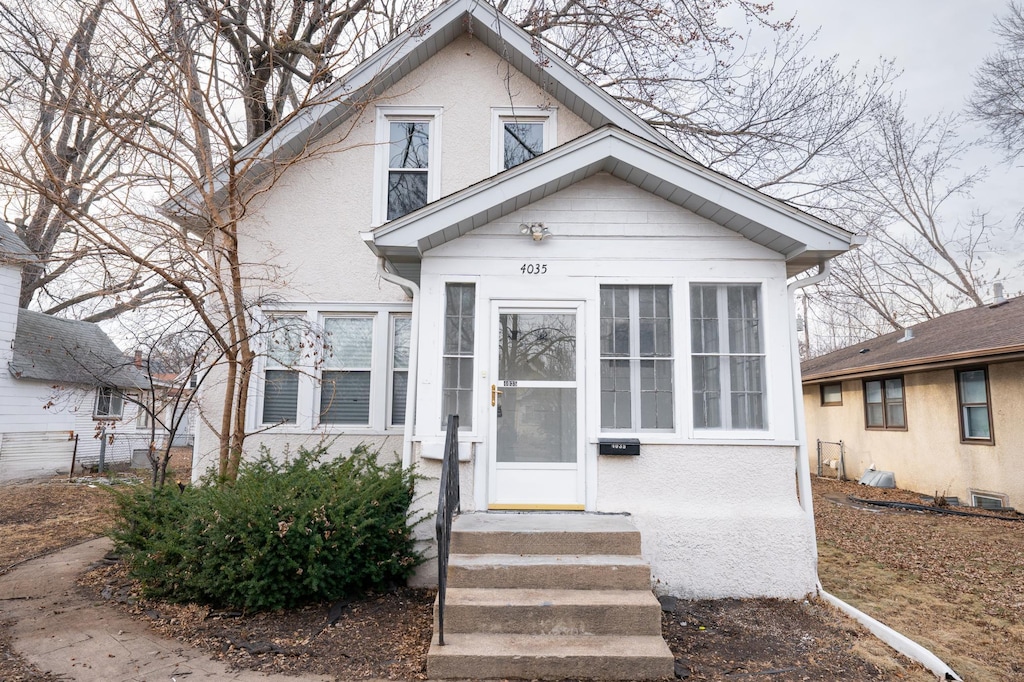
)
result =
(975, 410)
(884, 404)
(408, 173)
(727, 346)
(636, 358)
(109, 403)
(519, 135)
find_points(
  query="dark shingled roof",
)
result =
(979, 333)
(48, 348)
(12, 248)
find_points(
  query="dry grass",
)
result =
(956, 585)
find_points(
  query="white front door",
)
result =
(536, 409)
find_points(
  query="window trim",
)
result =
(113, 393)
(991, 440)
(465, 428)
(385, 115)
(833, 403)
(499, 115)
(389, 409)
(1004, 500)
(885, 412)
(318, 383)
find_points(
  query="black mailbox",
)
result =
(618, 446)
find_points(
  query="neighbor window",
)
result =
(636, 358)
(975, 413)
(831, 394)
(407, 141)
(109, 403)
(884, 405)
(459, 339)
(520, 134)
(728, 356)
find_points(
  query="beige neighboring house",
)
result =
(940, 404)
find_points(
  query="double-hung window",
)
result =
(459, 339)
(884, 406)
(347, 367)
(636, 358)
(109, 403)
(727, 345)
(520, 134)
(285, 343)
(407, 161)
(975, 413)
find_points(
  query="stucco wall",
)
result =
(929, 456)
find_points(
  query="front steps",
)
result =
(549, 596)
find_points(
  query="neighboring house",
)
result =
(494, 236)
(939, 404)
(171, 403)
(62, 385)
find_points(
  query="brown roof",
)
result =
(960, 337)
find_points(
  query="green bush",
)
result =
(280, 535)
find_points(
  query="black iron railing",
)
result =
(447, 506)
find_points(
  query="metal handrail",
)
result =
(448, 505)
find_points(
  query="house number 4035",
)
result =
(534, 269)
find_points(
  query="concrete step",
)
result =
(513, 533)
(555, 572)
(551, 612)
(483, 656)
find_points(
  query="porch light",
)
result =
(536, 230)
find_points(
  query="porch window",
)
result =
(281, 385)
(109, 403)
(457, 382)
(975, 413)
(347, 367)
(401, 328)
(636, 358)
(728, 357)
(407, 159)
(884, 405)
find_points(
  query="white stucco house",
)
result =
(494, 236)
(63, 385)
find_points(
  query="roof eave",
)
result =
(1000, 354)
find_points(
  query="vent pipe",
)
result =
(908, 334)
(997, 294)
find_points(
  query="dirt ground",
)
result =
(953, 584)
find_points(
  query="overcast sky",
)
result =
(938, 44)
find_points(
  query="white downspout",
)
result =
(414, 342)
(894, 639)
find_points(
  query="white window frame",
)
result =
(310, 371)
(321, 368)
(390, 408)
(635, 359)
(1003, 500)
(110, 414)
(471, 426)
(501, 115)
(727, 431)
(382, 156)
(271, 364)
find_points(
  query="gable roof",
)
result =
(12, 249)
(424, 39)
(801, 238)
(48, 348)
(960, 338)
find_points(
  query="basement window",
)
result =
(988, 500)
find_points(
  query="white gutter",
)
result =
(414, 335)
(897, 641)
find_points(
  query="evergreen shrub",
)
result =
(280, 535)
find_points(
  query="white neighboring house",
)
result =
(62, 385)
(494, 236)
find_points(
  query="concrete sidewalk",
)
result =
(61, 631)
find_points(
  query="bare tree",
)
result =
(998, 98)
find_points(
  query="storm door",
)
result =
(536, 410)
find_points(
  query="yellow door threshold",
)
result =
(536, 507)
